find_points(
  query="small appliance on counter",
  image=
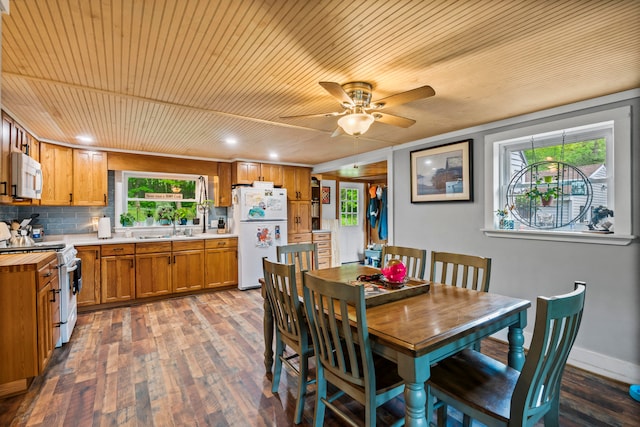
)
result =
(5, 234)
(104, 228)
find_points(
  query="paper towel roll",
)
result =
(104, 228)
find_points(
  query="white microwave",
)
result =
(26, 177)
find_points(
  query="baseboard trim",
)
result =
(597, 363)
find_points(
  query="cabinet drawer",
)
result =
(321, 236)
(300, 238)
(323, 245)
(190, 245)
(324, 263)
(124, 249)
(47, 273)
(221, 243)
(324, 253)
(151, 247)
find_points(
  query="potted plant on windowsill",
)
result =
(165, 214)
(127, 219)
(150, 218)
(185, 214)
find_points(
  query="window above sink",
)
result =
(146, 199)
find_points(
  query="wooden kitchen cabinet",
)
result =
(153, 269)
(223, 185)
(221, 262)
(5, 160)
(188, 265)
(248, 172)
(89, 178)
(90, 293)
(29, 302)
(323, 243)
(57, 174)
(298, 217)
(118, 273)
(297, 181)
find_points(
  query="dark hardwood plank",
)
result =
(198, 360)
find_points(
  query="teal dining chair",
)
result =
(497, 395)
(343, 351)
(466, 271)
(303, 255)
(414, 259)
(291, 327)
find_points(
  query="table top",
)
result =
(420, 324)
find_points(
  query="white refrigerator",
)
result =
(259, 218)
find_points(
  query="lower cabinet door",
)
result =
(153, 274)
(221, 267)
(118, 278)
(188, 270)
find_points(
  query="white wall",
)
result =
(609, 337)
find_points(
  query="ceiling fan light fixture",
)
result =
(355, 124)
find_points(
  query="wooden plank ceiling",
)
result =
(180, 77)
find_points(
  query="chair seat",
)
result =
(483, 383)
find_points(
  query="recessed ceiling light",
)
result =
(231, 141)
(85, 138)
(273, 155)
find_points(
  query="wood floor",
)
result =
(197, 360)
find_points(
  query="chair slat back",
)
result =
(466, 271)
(280, 284)
(414, 259)
(335, 340)
(303, 255)
(557, 323)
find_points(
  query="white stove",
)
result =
(70, 284)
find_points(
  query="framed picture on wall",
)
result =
(443, 173)
(326, 195)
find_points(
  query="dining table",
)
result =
(424, 328)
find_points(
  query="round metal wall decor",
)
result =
(549, 194)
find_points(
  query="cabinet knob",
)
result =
(70, 197)
(4, 191)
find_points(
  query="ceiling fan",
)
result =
(359, 112)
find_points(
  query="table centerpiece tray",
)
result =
(379, 292)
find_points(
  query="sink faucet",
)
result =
(174, 227)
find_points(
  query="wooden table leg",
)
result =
(516, 356)
(268, 331)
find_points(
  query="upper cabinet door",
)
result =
(272, 173)
(297, 181)
(245, 172)
(89, 178)
(57, 174)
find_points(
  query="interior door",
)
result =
(351, 218)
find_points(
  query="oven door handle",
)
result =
(75, 266)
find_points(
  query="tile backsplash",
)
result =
(73, 219)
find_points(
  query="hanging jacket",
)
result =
(373, 211)
(382, 220)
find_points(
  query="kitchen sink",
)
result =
(164, 236)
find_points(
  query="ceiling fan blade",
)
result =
(339, 131)
(390, 119)
(404, 97)
(337, 92)
(332, 114)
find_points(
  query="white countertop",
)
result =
(92, 238)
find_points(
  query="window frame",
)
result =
(355, 213)
(618, 165)
(121, 193)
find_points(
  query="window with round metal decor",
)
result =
(549, 194)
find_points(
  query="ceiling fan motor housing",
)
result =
(359, 92)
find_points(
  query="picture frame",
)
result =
(443, 173)
(326, 195)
